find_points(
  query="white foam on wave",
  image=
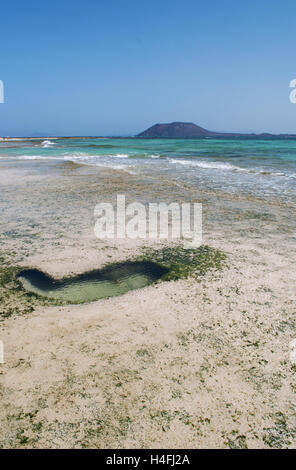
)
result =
(82, 155)
(109, 161)
(119, 155)
(47, 143)
(95, 160)
(134, 155)
(227, 166)
(37, 157)
(32, 157)
(207, 165)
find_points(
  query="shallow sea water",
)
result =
(265, 168)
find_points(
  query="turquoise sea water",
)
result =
(265, 167)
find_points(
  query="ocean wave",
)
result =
(47, 143)
(110, 156)
(38, 157)
(119, 155)
(228, 167)
(33, 157)
(84, 155)
(132, 163)
(135, 155)
(207, 165)
(97, 161)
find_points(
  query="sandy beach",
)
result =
(193, 363)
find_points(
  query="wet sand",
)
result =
(181, 364)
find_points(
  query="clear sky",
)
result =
(115, 67)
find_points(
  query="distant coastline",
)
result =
(222, 137)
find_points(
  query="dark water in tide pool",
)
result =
(87, 287)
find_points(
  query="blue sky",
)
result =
(116, 67)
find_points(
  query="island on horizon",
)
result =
(187, 130)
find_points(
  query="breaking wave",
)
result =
(46, 144)
(207, 165)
